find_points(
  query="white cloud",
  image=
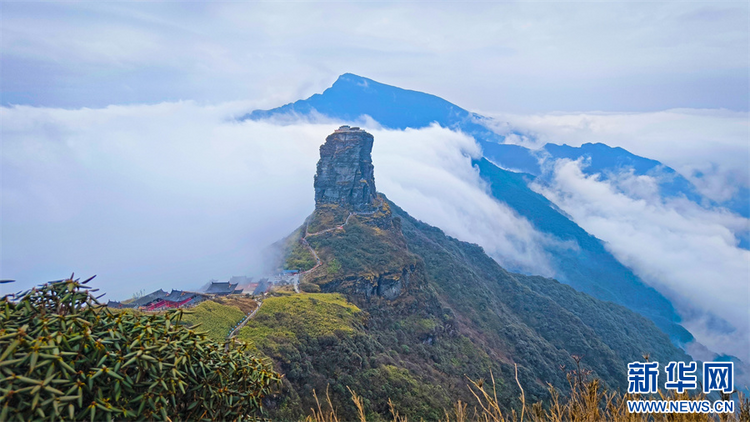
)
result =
(714, 142)
(428, 172)
(173, 194)
(687, 252)
(168, 195)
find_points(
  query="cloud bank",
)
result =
(174, 194)
(428, 172)
(687, 252)
(168, 195)
(708, 147)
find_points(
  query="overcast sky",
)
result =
(507, 57)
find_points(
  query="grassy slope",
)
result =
(215, 318)
(298, 256)
(537, 320)
(462, 315)
(359, 250)
(322, 341)
(283, 319)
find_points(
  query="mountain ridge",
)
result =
(436, 310)
(352, 96)
(587, 267)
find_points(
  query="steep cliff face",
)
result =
(436, 310)
(591, 268)
(362, 250)
(345, 171)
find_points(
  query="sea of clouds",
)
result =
(707, 146)
(174, 194)
(171, 195)
(689, 252)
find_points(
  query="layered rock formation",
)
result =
(345, 171)
(361, 247)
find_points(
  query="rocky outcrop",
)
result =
(362, 252)
(345, 175)
(388, 285)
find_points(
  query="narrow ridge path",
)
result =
(244, 321)
(307, 234)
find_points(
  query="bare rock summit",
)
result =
(345, 174)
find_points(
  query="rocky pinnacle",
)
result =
(345, 174)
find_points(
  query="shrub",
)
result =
(66, 357)
(333, 267)
(309, 287)
(299, 257)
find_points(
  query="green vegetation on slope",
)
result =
(589, 267)
(540, 324)
(215, 319)
(629, 335)
(327, 216)
(283, 319)
(361, 249)
(297, 256)
(321, 341)
(456, 313)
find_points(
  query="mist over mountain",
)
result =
(592, 265)
(430, 309)
(116, 178)
(588, 267)
(515, 190)
(126, 182)
(608, 162)
(351, 97)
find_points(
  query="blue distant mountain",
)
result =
(353, 96)
(590, 268)
(606, 161)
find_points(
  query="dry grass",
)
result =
(320, 415)
(587, 402)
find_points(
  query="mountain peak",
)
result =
(352, 78)
(345, 174)
(352, 96)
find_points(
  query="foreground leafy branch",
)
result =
(66, 357)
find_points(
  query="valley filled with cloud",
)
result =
(179, 193)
